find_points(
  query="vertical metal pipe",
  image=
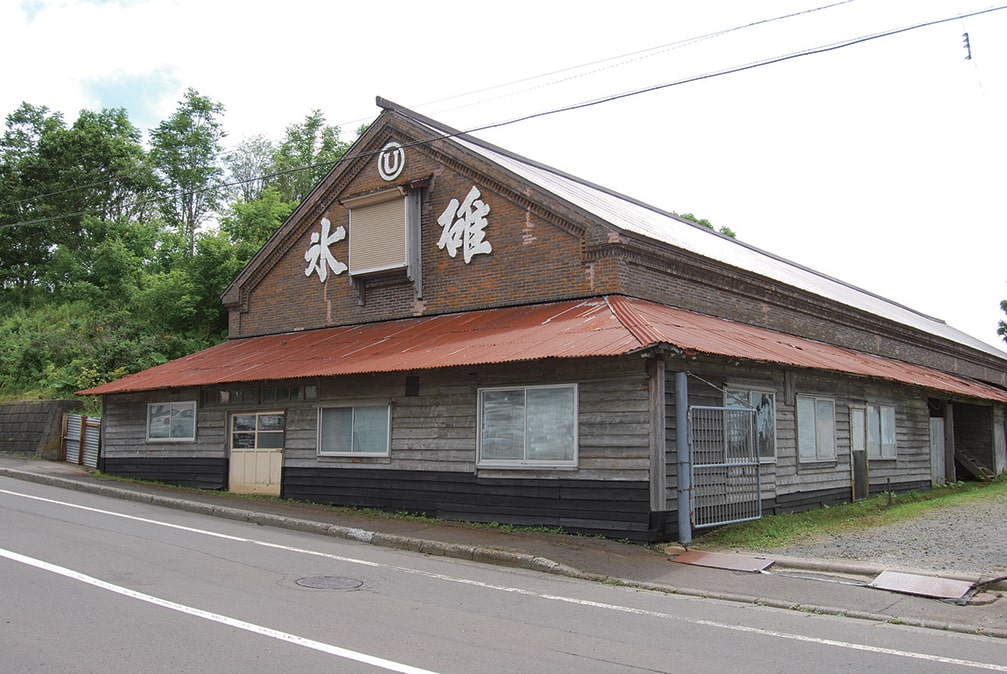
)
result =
(684, 460)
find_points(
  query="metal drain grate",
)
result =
(329, 582)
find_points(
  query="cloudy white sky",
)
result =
(880, 163)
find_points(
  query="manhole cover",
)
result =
(329, 582)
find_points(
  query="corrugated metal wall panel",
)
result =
(92, 443)
(71, 439)
(82, 440)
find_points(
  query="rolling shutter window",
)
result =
(378, 236)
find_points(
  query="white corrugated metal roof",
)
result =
(651, 222)
(638, 218)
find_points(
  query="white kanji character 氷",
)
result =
(319, 257)
(464, 226)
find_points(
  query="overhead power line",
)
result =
(606, 99)
(737, 69)
(615, 61)
(620, 60)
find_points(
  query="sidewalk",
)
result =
(809, 585)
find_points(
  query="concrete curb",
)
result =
(962, 628)
(508, 558)
(865, 570)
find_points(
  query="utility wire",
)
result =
(619, 60)
(736, 69)
(598, 101)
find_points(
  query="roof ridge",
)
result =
(451, 132)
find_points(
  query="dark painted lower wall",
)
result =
(614, 509)
(901, 487)
(201, 473)
(799, 501)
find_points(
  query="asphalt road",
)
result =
(91, 584)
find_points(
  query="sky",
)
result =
(879, 163)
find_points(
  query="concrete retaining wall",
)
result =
(32, 428)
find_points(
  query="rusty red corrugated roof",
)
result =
(595, 327)
(696, 334)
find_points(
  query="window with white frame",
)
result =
(354, 430)
(528, 426)
(880, 432)
(171, 422)
(764, 404)
(816, 428)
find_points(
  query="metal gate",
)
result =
(81, 439)
(726, 483)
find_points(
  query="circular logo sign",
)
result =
(391, 161)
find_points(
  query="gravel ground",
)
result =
(971, 538)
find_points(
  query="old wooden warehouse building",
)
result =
(448, 328)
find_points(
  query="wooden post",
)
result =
(949, 443)
(658, 434)
(62, 436)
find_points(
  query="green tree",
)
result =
(186, 151)
(24, 252)
(106, 264)
(726, 231)
(59, 185)
(305, 156)
(98, 166)
(107, 271)
(214, 266)
(1002, 327)
(181, 301)
(248, 166)
(250, 224)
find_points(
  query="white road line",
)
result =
(214, 534)
(529, 593)
(215, 617)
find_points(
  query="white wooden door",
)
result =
(937, 472)
(256, 440)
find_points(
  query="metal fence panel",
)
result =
(81, 440)
(71, 438)
(726, 479)
(92, 442)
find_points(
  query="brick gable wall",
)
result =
(543, 250)
(534, 259)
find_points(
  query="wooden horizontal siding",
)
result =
(827, 481)
(124, 428)
(617, 509)
(436, 429)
